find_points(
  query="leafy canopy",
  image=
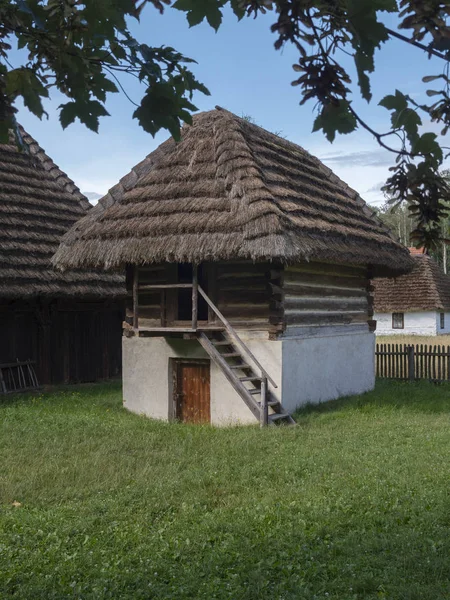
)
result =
(79, 46)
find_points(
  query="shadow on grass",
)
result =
(419, 396)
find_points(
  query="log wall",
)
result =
(319, 294)
(262, 296)
(242, 293)
(155, 307)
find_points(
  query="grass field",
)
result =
(433, 340)
(353, 503)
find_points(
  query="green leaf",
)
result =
(68, 113)
(24, 82)
(364, 64)
(238, 8)
(88, 112)
(163, 107)
(335, 118)
(426, 144)
(398, 102)
(198, 10)
(5, 125)
(407, 118)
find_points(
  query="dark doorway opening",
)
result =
(185, 271)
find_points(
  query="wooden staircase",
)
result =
(223, 345)
(251, 387)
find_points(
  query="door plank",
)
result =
(193, 393)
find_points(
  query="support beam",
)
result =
(135, 297)
(194, 297)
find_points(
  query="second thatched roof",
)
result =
(230, 190)
(426, 287)
(38, 204)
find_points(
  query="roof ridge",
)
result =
(353, 194)
(238, 176)
(37, 152)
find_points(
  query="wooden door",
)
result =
(192, 391)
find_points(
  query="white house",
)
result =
(417, 303)
(248, 270)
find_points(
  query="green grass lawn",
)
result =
(352, 503)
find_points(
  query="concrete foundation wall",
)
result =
(312, 369)
(318, 369)
(415, 323)
(146, 376)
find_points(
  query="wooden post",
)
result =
(264, 417)
(194, 296)
(163, 308)
(411, 370)
(136, 297)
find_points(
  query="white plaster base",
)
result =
(318, 369)
(306, 370)
(146, 375)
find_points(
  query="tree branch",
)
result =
(417, 44)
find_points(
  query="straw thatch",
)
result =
(230, 190)
(426, 287)
(38, 204)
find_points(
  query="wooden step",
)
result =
(221, 343)
(277, 416)
(255, 391)
(271, 403)
(252, 378)
(231, 354)
(242, 366)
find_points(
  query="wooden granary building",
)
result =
(68, 323)
(248, 265)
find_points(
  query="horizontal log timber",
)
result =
(150, 313)
(307, 289)
(243, 285)
(327, 303)
(245, 311)
(165, 286)
(153, 268)
(147, 322)
(248, 296)
(242, 276)
(324, 318)
(328, 269)
(326, 281)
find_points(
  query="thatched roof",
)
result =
(230, 190)
(426, 287)
(38, 204)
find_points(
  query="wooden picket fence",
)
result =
(408, 362)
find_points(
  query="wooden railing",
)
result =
(233, 334)
(196, 291)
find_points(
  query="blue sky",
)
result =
(247, 76)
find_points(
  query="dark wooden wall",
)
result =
(242, 293)
(321, 294)
(71, 342)
(264, 296)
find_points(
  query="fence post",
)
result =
(411, 369)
